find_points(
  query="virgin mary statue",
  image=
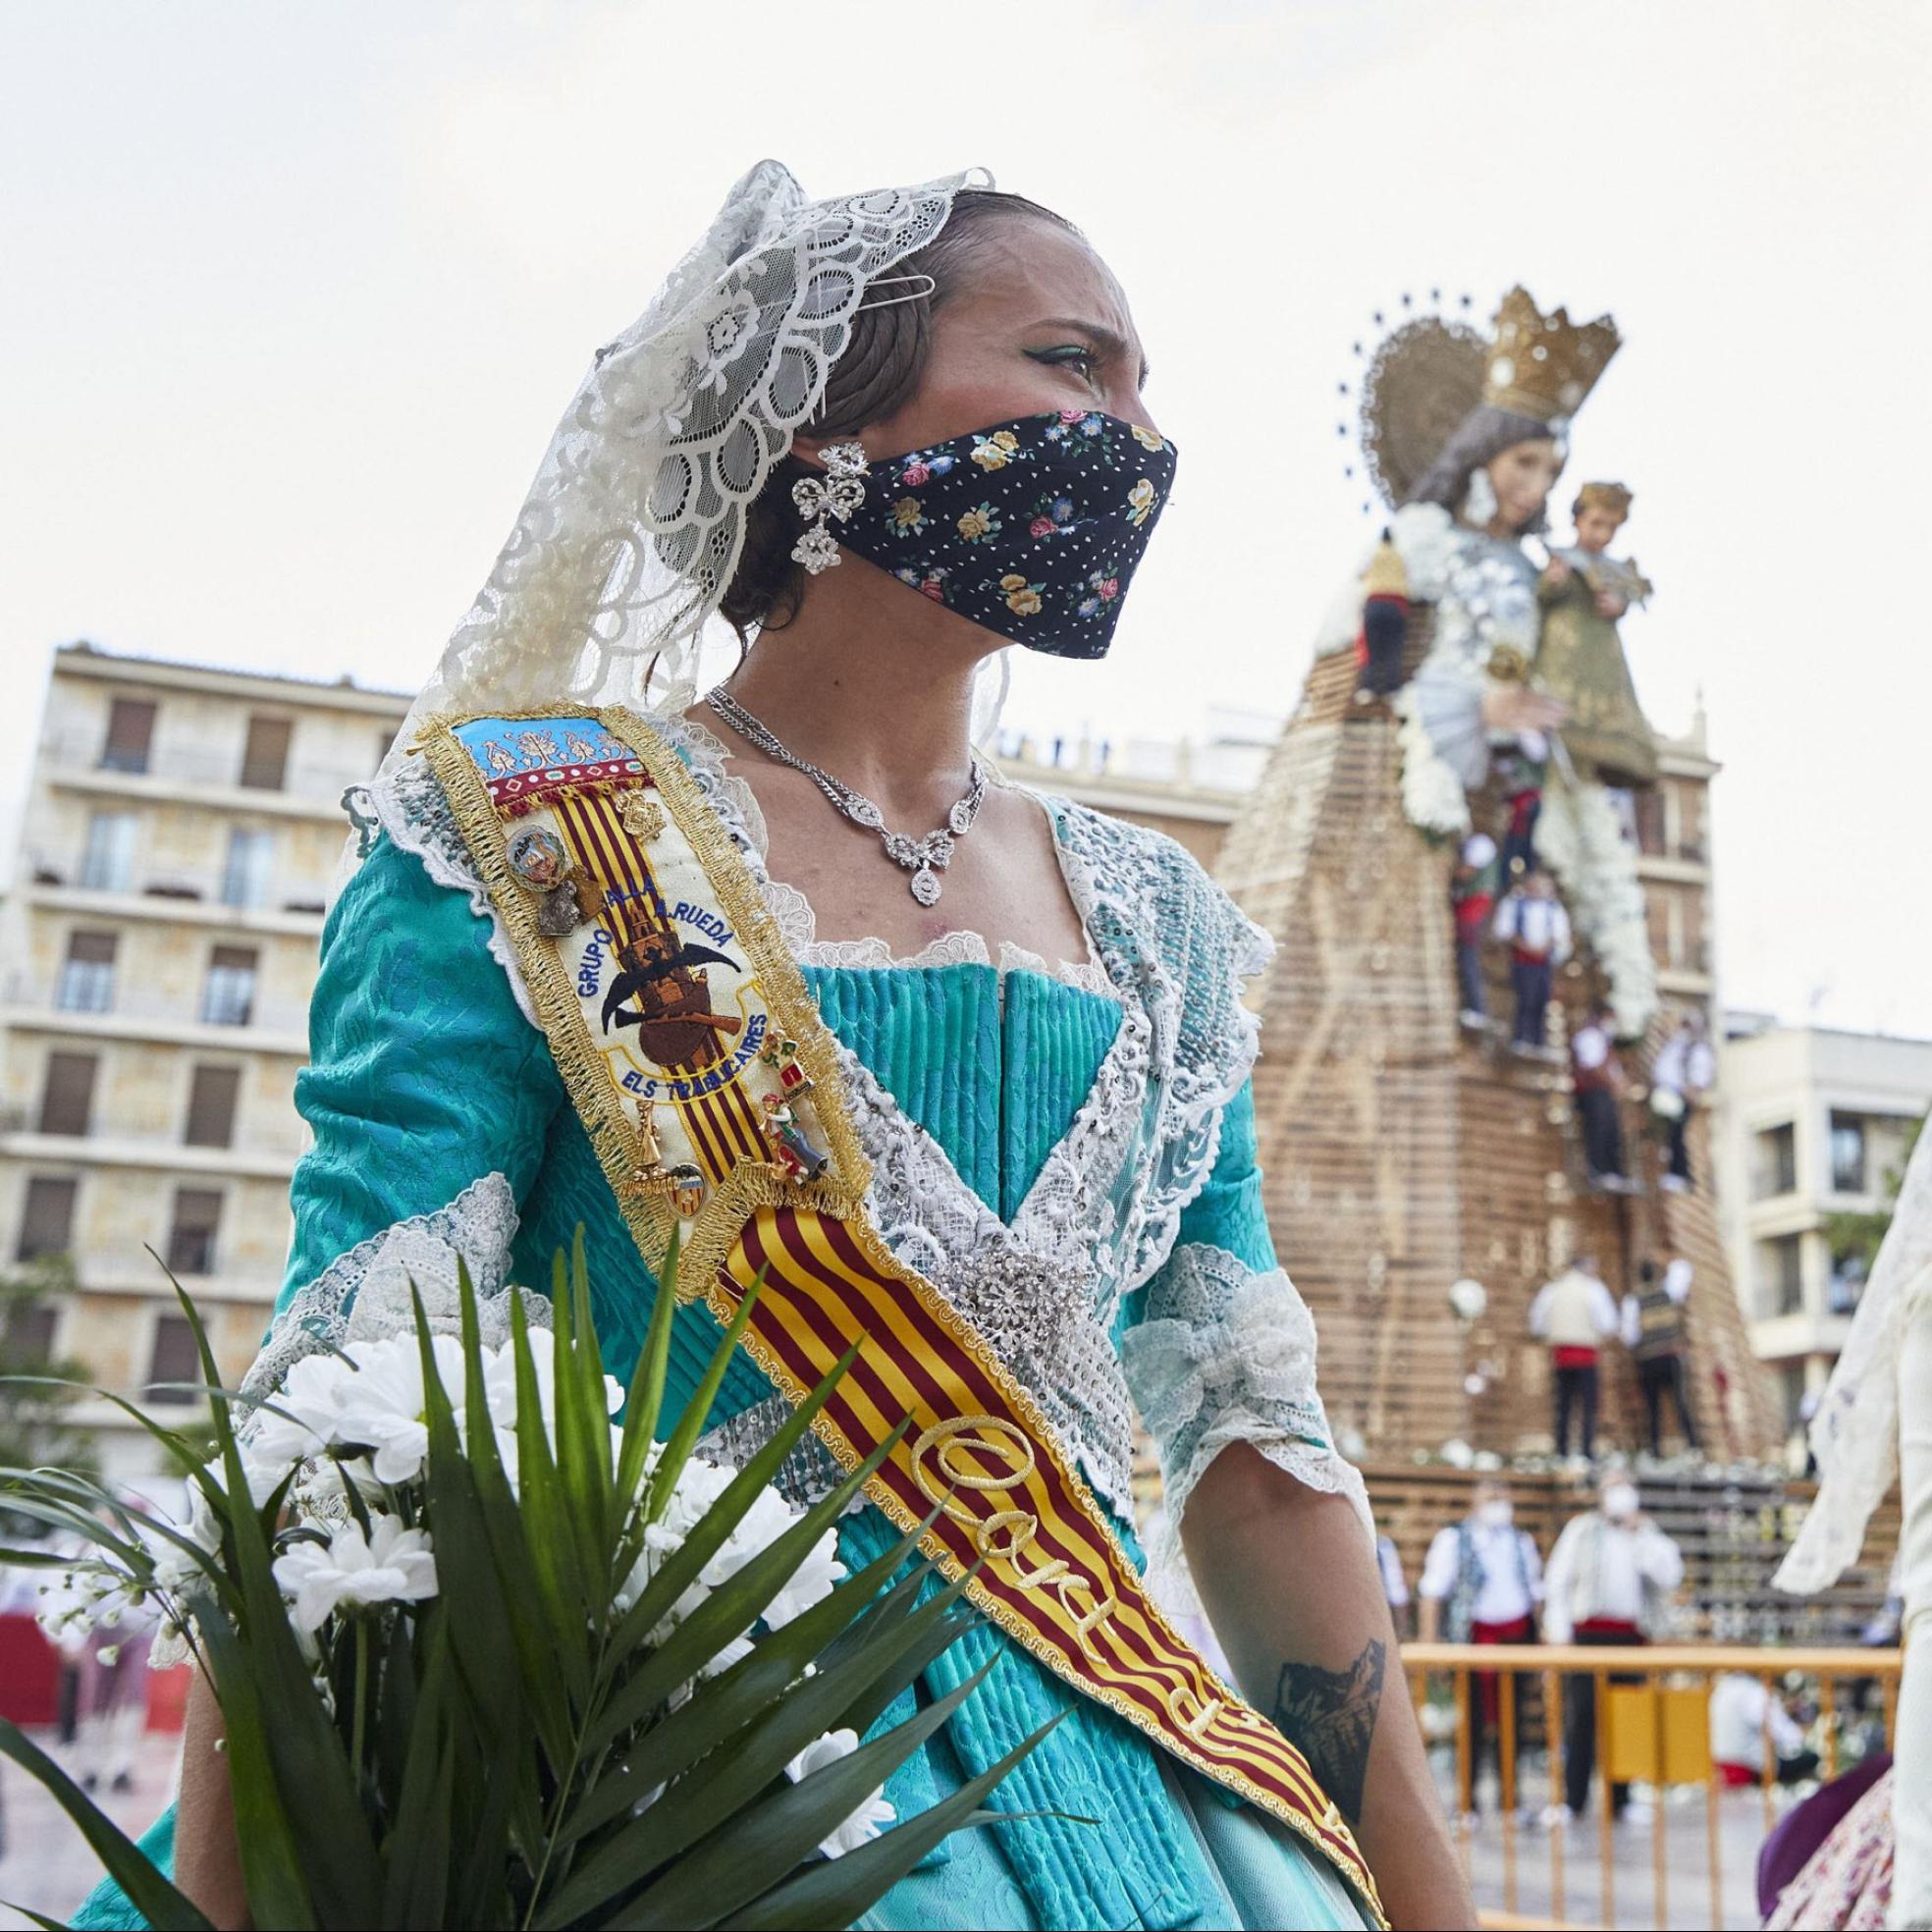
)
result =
(1466, 435)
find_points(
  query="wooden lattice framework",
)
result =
(1401, 1153)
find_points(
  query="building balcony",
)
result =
(190, 775)
(1806, 1330)
(1781, 1213)
(1686, 865)
(132, 1272)
(135, 1012)
(1689, 982)
(176, 897)
(274, 1161)
(1178, 781)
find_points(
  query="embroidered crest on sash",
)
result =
(694, 1071)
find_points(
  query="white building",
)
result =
(1812, 1124)
(157, 953)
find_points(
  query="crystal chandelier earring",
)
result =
(838, 493)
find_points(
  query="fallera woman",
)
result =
(790, 972)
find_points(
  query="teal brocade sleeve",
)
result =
(1219, 1347)
(1227, 1212)
(423, 1075)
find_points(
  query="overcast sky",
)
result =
(293, 297)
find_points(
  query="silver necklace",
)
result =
(925, 858)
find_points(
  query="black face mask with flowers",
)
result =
(1032, 529)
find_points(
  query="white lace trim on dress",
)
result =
(364, 1293)
(1226, 1353)
(950, 950)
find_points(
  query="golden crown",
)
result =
(1545, 365)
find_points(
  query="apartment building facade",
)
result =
(1672, 828)
(157, 952)
(1812, 1124)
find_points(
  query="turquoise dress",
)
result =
(438, 1117)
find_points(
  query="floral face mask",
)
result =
(1032, 529)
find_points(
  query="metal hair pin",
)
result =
(896, 281)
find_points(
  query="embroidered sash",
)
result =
(711, 1092)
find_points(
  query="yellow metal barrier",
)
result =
(1655, 1732)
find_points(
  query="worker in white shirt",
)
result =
(1533, 920)
(1480, 1584)
(1597, 1075)
(1654, 1333)
(1574, 1314)
(1395, 1586)
(1685, 1069)
(1609, 1582)
(1743, 1715)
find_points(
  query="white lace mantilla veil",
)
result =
(1856, 1432)
(632, 529)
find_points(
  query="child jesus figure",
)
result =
(1579, 658)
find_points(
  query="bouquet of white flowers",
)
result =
(487, 1656)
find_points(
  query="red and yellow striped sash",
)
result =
(1051, 1573)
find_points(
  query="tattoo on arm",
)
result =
(1329, 1716)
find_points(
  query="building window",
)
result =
(30, 1330)
(47, 1217)
(1846, 1282)
(110, 853)
(86, 979)
(1792, 1377)
(1847, 1154)
(172, 1357)
(1675, 950)
(1774, 1162)
(211, 1096)
(265, 757)
(245, 881)
(130, 735)
(1650, 838)
(229, 997)
(1696, 952)
(192, 1235)
(1781, 1275)
(67, 1099)
(1691, 826)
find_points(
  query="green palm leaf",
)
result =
(837, 1891)
(751, 1851)
(157, 1901)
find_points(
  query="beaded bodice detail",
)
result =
(1046, 1286)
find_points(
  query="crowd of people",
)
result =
(1609, 1581)
(1611, 1572)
